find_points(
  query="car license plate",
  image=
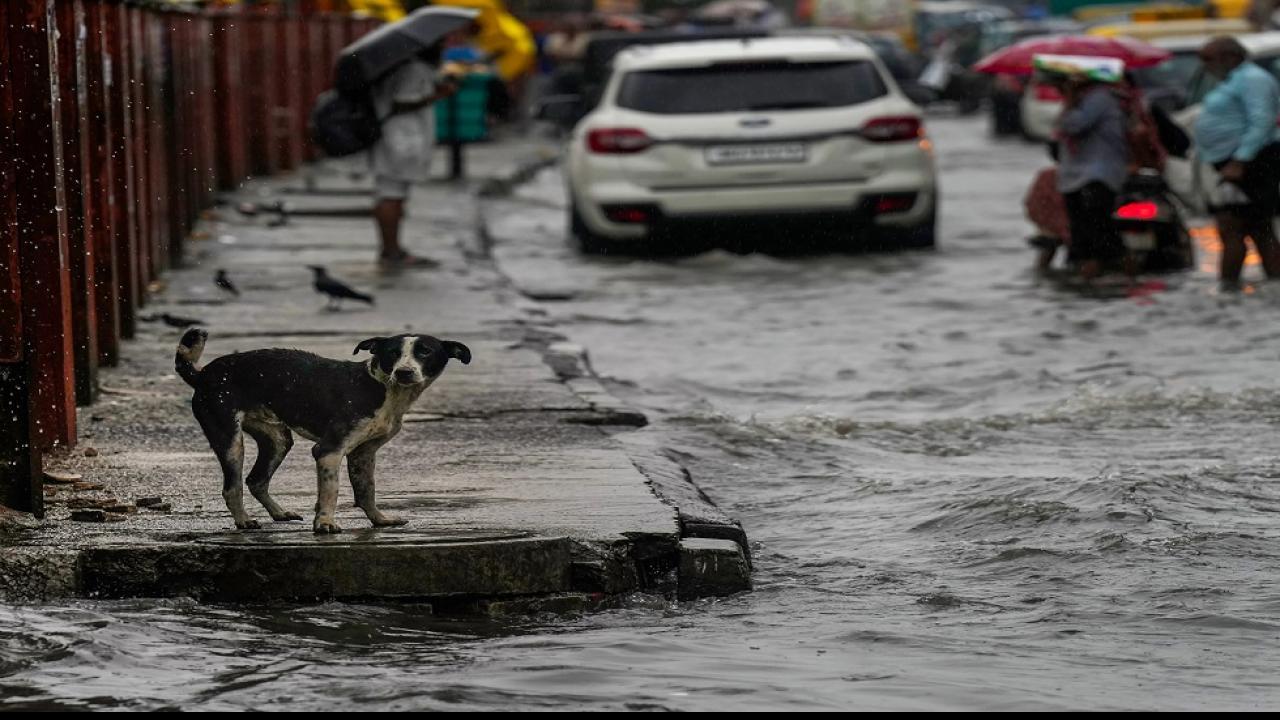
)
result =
(1142, 241)
(756, 154)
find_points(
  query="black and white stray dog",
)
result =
(350, 409)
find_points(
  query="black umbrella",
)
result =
(373, 56)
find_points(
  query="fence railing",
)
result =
(119, 122)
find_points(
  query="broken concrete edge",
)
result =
(571, 364)
(670, 480)
(501, 184)
(507, 179)
(698, 515)
(712, 568)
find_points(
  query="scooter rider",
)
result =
(1094, 164)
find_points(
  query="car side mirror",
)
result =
(561, 110)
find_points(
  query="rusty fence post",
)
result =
(203, 53)
(20, 459)
(287, 103)
(100, 176)
(118, 71)
(72, 35)
(172, 132)
(229, 102)
(45, 392)
(159, 149)
(138, 99)
(317, 66)
(255, 51)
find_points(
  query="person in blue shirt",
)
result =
(1236, 133)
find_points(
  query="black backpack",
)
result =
(344, 124)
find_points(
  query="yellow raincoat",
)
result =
(501, 36)
(388, 10)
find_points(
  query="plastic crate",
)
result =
(472, 102)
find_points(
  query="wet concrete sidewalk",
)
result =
(506, 469)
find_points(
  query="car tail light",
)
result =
(894, 203)
(1048, 93)
(893, 129)
(615, 141)
(629, 214)
(1142, 210)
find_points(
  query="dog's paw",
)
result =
(249, 525)
(326, 527)
(389, 521)
(286, 515)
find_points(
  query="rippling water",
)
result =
(967, 489)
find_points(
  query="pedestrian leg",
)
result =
(389, 212)
(1262, 230)
(1231, 232)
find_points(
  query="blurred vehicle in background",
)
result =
(1007, 90)
(567, 109)
(1097, 12)
(935, 20)
(903, 65)
(740, 13)
(733, 134)
(870, 16)
(950, 37)
(1152, 31)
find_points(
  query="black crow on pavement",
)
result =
(335, 289)
(224, 282)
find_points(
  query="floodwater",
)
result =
(965, 489)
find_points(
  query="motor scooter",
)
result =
(1151, 226)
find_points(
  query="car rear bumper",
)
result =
(847, 204)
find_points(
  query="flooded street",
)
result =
(966, 488)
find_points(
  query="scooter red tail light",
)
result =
(1141, 210)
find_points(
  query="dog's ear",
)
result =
(367, 344)
(459, 351)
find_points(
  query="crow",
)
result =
(336, 290)
(224, 282)
(282, 214)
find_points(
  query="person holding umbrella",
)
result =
(402, 155)
(396, 68)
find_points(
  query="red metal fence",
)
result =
(119, 121)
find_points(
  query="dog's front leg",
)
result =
(360, 464)
(328, 465)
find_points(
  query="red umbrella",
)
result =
(1016, 59)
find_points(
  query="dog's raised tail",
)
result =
(190, 348)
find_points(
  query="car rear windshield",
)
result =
(747, 87)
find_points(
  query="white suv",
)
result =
(723, 130)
